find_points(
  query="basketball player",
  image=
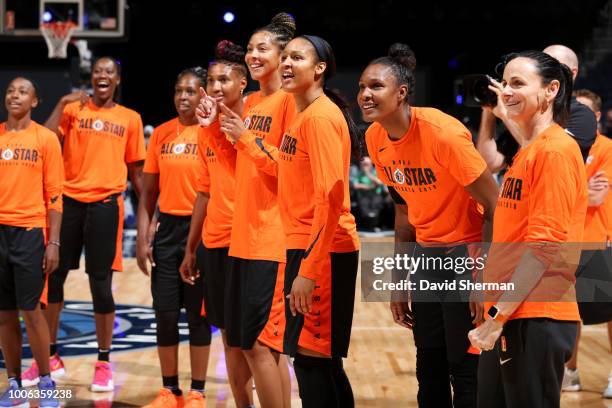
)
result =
(211, 225)
(438, 182)
(255, 320)
(30, 217)
(170, 174)
(102, 142)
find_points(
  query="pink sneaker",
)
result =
(103, 377)
(31, 376)
(56, 365)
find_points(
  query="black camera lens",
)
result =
(477, 92)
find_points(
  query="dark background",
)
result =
(449, 39)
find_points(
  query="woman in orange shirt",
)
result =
(312, 165)
(255, 323)
(103, 142)
(322, 241)
(444, 199)
(211, 224)
(538, 227)
(170, 175)
(32, 176)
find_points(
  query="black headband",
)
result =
(324, 52)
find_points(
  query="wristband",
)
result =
(56, 243)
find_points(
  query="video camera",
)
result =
(477, 92)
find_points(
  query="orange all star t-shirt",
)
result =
(257, 228)
(598, 223)
(32, 175)
(429, 168)
(543, 201)
(98, 142)
(218, 180)
(173, 154)
(313, 185)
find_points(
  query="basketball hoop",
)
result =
(57, 36)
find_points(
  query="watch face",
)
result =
(492, 312)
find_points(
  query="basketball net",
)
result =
(57, 36)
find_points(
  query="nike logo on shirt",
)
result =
(307, 252)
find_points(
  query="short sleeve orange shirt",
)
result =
(98, 142)
(173, 154)
(216, 180)
(429, 168)
(543, 200)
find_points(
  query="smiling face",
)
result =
(225, 84)
(524, 94)
(20, 98)
(262, 56)
(300, 67)
(187, 95)
(379, 95)
(104, 79)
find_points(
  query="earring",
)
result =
(241, 91)
(544, 106)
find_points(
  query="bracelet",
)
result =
(56, 243)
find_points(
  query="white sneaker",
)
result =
(571, 381)
(607, 393)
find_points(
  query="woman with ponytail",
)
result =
(322, 240)
(530, 332)
(310, 170)
(439, 183)
(254, 316)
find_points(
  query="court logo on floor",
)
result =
(135, 328)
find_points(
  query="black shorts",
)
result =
(525, 368)
(169, 291)
(593, 278)
(22, 279)
(250, 294)
(327, 329)
(213, 264)
(96, 226)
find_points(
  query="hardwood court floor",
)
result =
(381, 364)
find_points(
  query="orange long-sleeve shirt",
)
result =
(257, 224)
(313, 185)
(598, 223)
(32, 175)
